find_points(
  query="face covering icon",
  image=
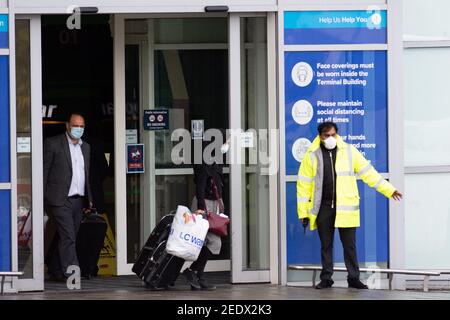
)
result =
(302, 74)
(76, 133)
(330, 143)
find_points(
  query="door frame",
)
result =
(234, 46)
(239, 275)
(36, 283)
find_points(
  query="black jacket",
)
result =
(58, 170)
(204, 175)
(329, 176)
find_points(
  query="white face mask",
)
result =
(330, 143)
(224, 148)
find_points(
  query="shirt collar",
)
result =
(80, 142)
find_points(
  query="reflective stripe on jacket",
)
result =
(350, 165)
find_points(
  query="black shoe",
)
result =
(191, 278)
(325, 284)
(205, 285)
(357, 284)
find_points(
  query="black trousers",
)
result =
(62, 252)
(325, 226)
(199, 264)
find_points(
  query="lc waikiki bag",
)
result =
(187, 234)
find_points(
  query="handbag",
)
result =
(218, 224)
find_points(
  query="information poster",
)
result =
(345, 87)
(135, 158)
(348, 87)
(156, 119)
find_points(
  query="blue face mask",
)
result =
(76, 133)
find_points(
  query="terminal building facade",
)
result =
(271, 69)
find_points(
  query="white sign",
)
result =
(197, 128)
(131, 136)
(302, 74)
(23, 145)
(302, 112)
(299, 148)
(247, 140)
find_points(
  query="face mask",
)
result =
(76, 133)
(225, 147)
(330, 143)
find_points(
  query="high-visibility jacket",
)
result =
(350, 165)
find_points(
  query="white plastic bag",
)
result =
(187, 234)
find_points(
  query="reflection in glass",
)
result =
(188, 30)
(192, 85)
(23, 124)
(425, 219)
(426, 106)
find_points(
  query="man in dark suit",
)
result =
(66, 192)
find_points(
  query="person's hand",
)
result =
(305, 222)
(397, 195)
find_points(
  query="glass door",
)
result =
(178, 65)
(198, 69)
(254, 162)
(30, 218)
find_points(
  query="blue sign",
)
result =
(4, 121)
(346, 87)
(372, 241)
(335, 27)
(156, 119)
(5, 152)
(135, 158)
(4, 38)
(5, 230)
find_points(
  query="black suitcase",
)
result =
(90, 240)
(154, 265)
(163, 269)
(159, 233)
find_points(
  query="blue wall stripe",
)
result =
(4, 40)
(335, 36)
(5, 230)
(4, 121)
(332, 19)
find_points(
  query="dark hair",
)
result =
(326, 126)
(74, 114)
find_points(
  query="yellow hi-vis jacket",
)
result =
(350, 164)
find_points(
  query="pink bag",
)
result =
(218, 224)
